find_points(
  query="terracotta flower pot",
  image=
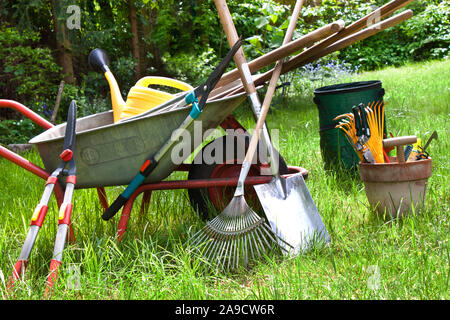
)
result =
(394, 188)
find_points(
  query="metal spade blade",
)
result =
(294, 218)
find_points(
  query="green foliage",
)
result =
(191, 68)
(262, 24)
(431, 31)
(425, 36)
(17, 131)
(29, 72)
(185, 40)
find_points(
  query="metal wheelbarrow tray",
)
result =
(110, 154)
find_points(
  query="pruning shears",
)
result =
(65, 211)
(151, 162)
(362, 132)
(424, 154)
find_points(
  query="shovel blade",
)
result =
(292, 214)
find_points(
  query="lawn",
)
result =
(368, 258)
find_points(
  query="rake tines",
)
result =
(237, 234)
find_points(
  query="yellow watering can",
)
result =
(140, 97)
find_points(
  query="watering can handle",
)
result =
(399, 142)
(163, 81)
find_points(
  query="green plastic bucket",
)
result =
(333, 101)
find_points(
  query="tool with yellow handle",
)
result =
(140, 97)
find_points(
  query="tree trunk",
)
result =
(63, 47)
(156, 62)
(135, 41)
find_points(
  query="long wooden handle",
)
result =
(356, 27)
(314, 51)
(317, 52)
(285, 50)
(380, 13)
(232, 37)
(272, 85)
(399, 142)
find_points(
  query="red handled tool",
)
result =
(65, 212)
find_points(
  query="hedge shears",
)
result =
(65, 211)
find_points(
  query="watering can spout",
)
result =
(117, 101)
(99, 61)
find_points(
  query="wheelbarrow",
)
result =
(110, 154)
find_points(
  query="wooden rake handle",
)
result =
(272, 85)
(232, 36)
(241, 62)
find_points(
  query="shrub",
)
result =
(29, 73)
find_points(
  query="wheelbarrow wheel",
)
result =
(222, 158)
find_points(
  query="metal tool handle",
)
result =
(433, 136)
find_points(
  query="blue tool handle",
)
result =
(196, 110)
(408, 150)
(146, 169)
(123, 197)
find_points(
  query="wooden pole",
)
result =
(58, 101)
(284, 51)
(272, 86)
(329, 44)
(318, 52)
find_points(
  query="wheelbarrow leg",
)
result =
(123, 223)
(126, 211)
(145, 203)
(103, 198)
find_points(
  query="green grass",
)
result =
(403, 259)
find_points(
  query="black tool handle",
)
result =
(114, 207)
(365, 126)
(358, 125)
(98, 60)
(69, 135)
(144, 172)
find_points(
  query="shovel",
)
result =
(287, 203)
